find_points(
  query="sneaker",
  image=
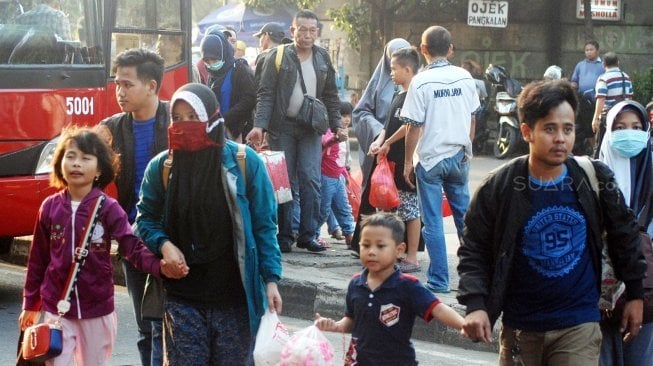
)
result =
(311, 246)
(438, 290)
(337, 234)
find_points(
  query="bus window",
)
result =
(171, 48)
(40, 33)
(159, 30)
(48, 81)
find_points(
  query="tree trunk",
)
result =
(589, 29)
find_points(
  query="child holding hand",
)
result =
(83, 164)
(382, 302)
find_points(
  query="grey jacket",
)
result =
(275, 88)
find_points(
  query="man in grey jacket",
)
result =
(280, 97)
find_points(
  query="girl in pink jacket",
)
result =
(83, 164)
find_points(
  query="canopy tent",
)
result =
(245, 20)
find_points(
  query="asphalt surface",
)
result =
(317, 282)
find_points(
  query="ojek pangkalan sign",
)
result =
(487, 13)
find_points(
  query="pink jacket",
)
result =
(55, 236)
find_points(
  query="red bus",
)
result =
(49, 80)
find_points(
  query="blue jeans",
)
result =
(150, 341)
(615, 352)
(450, 175)
(303, 150)
(295, 210)
(332, 223)
(334, 199)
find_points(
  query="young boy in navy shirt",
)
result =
(382, 302)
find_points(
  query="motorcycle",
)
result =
(508, 136)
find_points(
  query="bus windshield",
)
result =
(55, 70)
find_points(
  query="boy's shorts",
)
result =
(408, 206)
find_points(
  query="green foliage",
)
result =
(271, 4)
(354, 20)
(643, 85)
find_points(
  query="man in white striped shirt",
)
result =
(611, 87)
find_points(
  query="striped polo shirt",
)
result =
(614, 85)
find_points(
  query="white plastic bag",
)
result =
(308, 347)
(271, 337)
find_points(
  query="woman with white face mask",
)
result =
(626, 149)
(232, 81)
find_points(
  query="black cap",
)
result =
(275, 30)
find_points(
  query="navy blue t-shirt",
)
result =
(384, 318)
(143, 144)
(553, 283)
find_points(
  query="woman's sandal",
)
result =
(324, 243)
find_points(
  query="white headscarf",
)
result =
(632, 185)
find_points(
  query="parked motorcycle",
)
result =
(508, 137)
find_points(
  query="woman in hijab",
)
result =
(232, 81)
(626, 149)
(369, 117)
(212, 315)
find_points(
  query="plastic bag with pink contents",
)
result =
(307, 347)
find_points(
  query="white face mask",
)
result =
(629, 143)
(216, 66)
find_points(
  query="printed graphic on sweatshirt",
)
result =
(97, 239)
(554, 240)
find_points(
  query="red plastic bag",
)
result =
(383, 191)
(275, 163)
(446, 209)
(353, 195)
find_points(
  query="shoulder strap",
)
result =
(623, 85)
(277, 60)
(586, 163)
(241, 155)
(81, 251)
(165, 172)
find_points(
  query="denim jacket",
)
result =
(253, 210)
(275, 88)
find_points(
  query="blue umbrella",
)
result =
(245, 20)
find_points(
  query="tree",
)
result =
(271, 4)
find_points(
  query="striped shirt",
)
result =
(614, 85)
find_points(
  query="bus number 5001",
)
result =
(79, 105)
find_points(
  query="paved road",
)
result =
(125, 353)
(12, 278)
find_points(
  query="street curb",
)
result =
(303, 298)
